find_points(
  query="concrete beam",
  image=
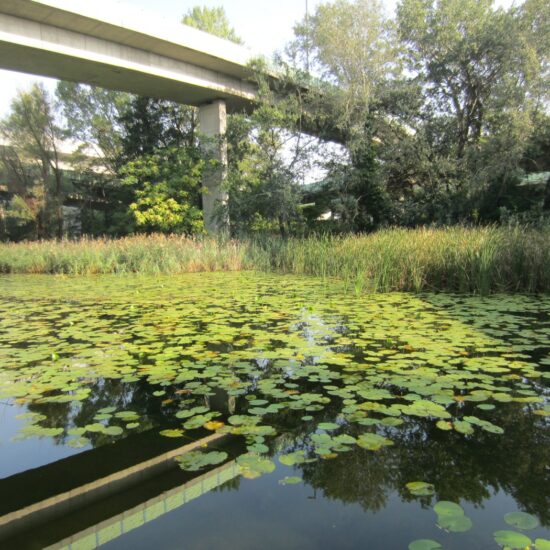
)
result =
(213, 126)
(39, 37)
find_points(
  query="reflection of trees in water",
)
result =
(459, 467)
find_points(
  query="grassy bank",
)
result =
(140, 254)
(457, 259)
(479, 260)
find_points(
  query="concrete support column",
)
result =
(213, 125)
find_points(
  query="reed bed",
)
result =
(455, 259)
(138, 254)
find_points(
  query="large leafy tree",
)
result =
(32, 159)
(149, 124)
(350, 46)
(479, 71)
(92, 119)
(165, 188)
(268, 157)
(213, 21)
(471, 60)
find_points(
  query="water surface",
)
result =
(331, 402)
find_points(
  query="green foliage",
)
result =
(481, 261)
(267, 159)
(92, 117)
(149, 124)
(213, 21)
(31, 159)
(166, 186)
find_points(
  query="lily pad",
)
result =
(328, 426)
(253, 465)
(521, 520)
(290, 480)
(420, 488)
(512, 539)
(373, 442)
(425, 544)
(172, 433)
(198, 460)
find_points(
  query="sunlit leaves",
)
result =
(252, 465)
(420, 488)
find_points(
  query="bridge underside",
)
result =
(88, 43)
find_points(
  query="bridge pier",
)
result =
(213, 125)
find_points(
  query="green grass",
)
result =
(456, 259)
(140, 254)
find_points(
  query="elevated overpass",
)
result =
(100, 43)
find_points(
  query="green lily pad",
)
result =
(420, 488)
(290, 480)
(113, 430)
(512, 539)
(450, 516)
(328, 426)
(252, 465)
(425, 544)
(447, 508)
(172, 433)
(521, 520)
(198, 460)
(373, 442)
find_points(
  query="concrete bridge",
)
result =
(97, 43)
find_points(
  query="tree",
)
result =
(479, 72)
(470, 60)
(32, 157)
(268, 156)
(213, 21)
(165, 186)
(92, 117)
(350, 44)
(149, 124)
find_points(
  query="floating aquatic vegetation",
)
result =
(373, 442)
(323, 373)
(451, 517)
(425, 544)
(172, 433)
(198, 460)
(512, 540)
(420, 488)
(253, 465)
(521, 520)
(290, 480)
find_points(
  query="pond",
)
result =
(245, 410)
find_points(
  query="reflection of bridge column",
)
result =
(213, 124)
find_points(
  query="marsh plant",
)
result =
(469, 260)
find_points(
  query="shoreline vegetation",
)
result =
(479, 260)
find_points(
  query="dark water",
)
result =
(371, 392)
